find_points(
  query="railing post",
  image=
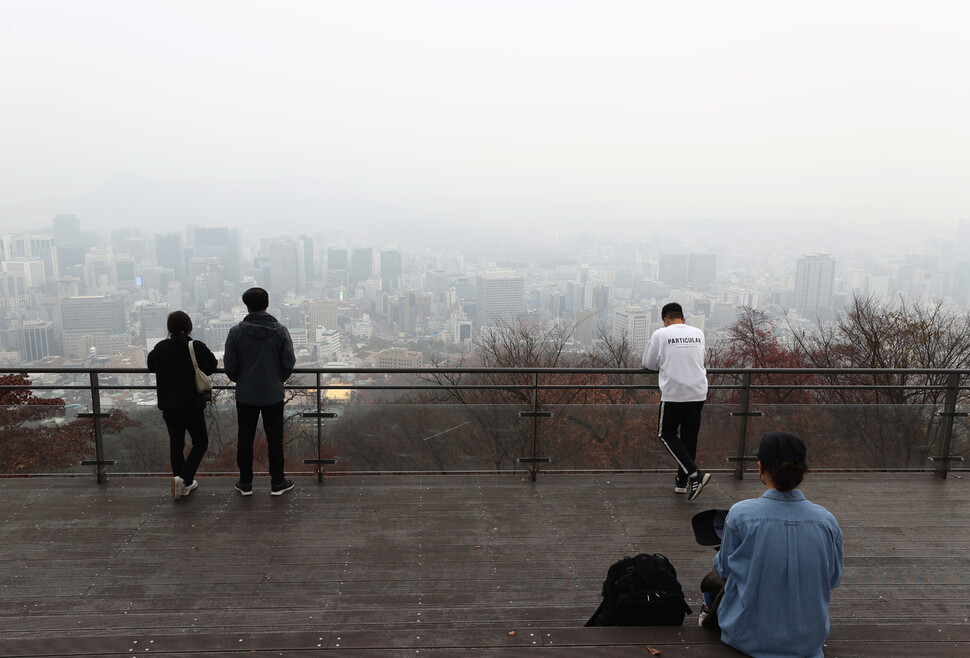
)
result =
(740, 457)
(949, 413)
(319, 415)
(319, 430)
(98, 428)
(535, 414)
(535, 426)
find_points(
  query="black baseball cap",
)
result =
(780, 448)
(709, 526)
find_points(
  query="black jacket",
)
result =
(174, 375)
(259, 358)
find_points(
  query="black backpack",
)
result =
(641, 591)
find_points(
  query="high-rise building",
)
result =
(31, 269)
(702, 270)
(284, 267)
(320, 316)
(500, 299)
(174, 295)
(328, 346)
(391, 270)
(632, 323)
(338, 268)
(153, 319)
(14, 293)
(814, 283)
(217, 330)
(69, 257)
(673, 269)
(337, 259)
(125, 269)
(221, 243)
(169, 253)
(37, 340)
(28, 245)
(306, 261)
(43, 247)
(437, 282)
(362, 267)
(92, 320)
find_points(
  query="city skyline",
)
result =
(82, 294)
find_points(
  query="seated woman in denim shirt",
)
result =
(779, 560)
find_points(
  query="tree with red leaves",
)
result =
(35, 437)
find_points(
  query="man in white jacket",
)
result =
(677, 353)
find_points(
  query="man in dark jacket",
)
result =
(259, 358)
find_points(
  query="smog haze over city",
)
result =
(547, 116)
(700, 151)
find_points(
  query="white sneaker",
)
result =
(703, 615)
(192, 487)
(178, 488)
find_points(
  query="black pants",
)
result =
(178, 421)
(685, 416)
(247, 415)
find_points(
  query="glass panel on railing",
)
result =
(961, 441)
(421, 437)
(873, 436)
(625, 437)
(43, 439)
(39, 429)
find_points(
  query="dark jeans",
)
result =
(685, 416)
(247, 415)
(178, 422)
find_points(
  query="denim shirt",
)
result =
(780, 557)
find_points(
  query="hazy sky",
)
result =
(518, 112)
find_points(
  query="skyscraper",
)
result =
(91, 320)
(169, 253)
(673, 269)
(632, 323)
(391, 270)
(702, 270)
(221, 243)
(37, 340)
(284, 266)
(814, 283)
(338, 268)
(320, 314)
(362, 267)
(501, 298)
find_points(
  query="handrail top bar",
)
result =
(530, 371)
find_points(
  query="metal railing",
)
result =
(740, 391)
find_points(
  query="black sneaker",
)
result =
(695, 484)
(244, 489)
(281, 488)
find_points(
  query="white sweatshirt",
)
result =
(677, 352)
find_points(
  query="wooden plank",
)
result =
(446, 555)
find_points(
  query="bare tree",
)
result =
(905, 429)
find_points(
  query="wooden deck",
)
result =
(439, 565)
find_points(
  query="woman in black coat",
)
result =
(182, 406)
